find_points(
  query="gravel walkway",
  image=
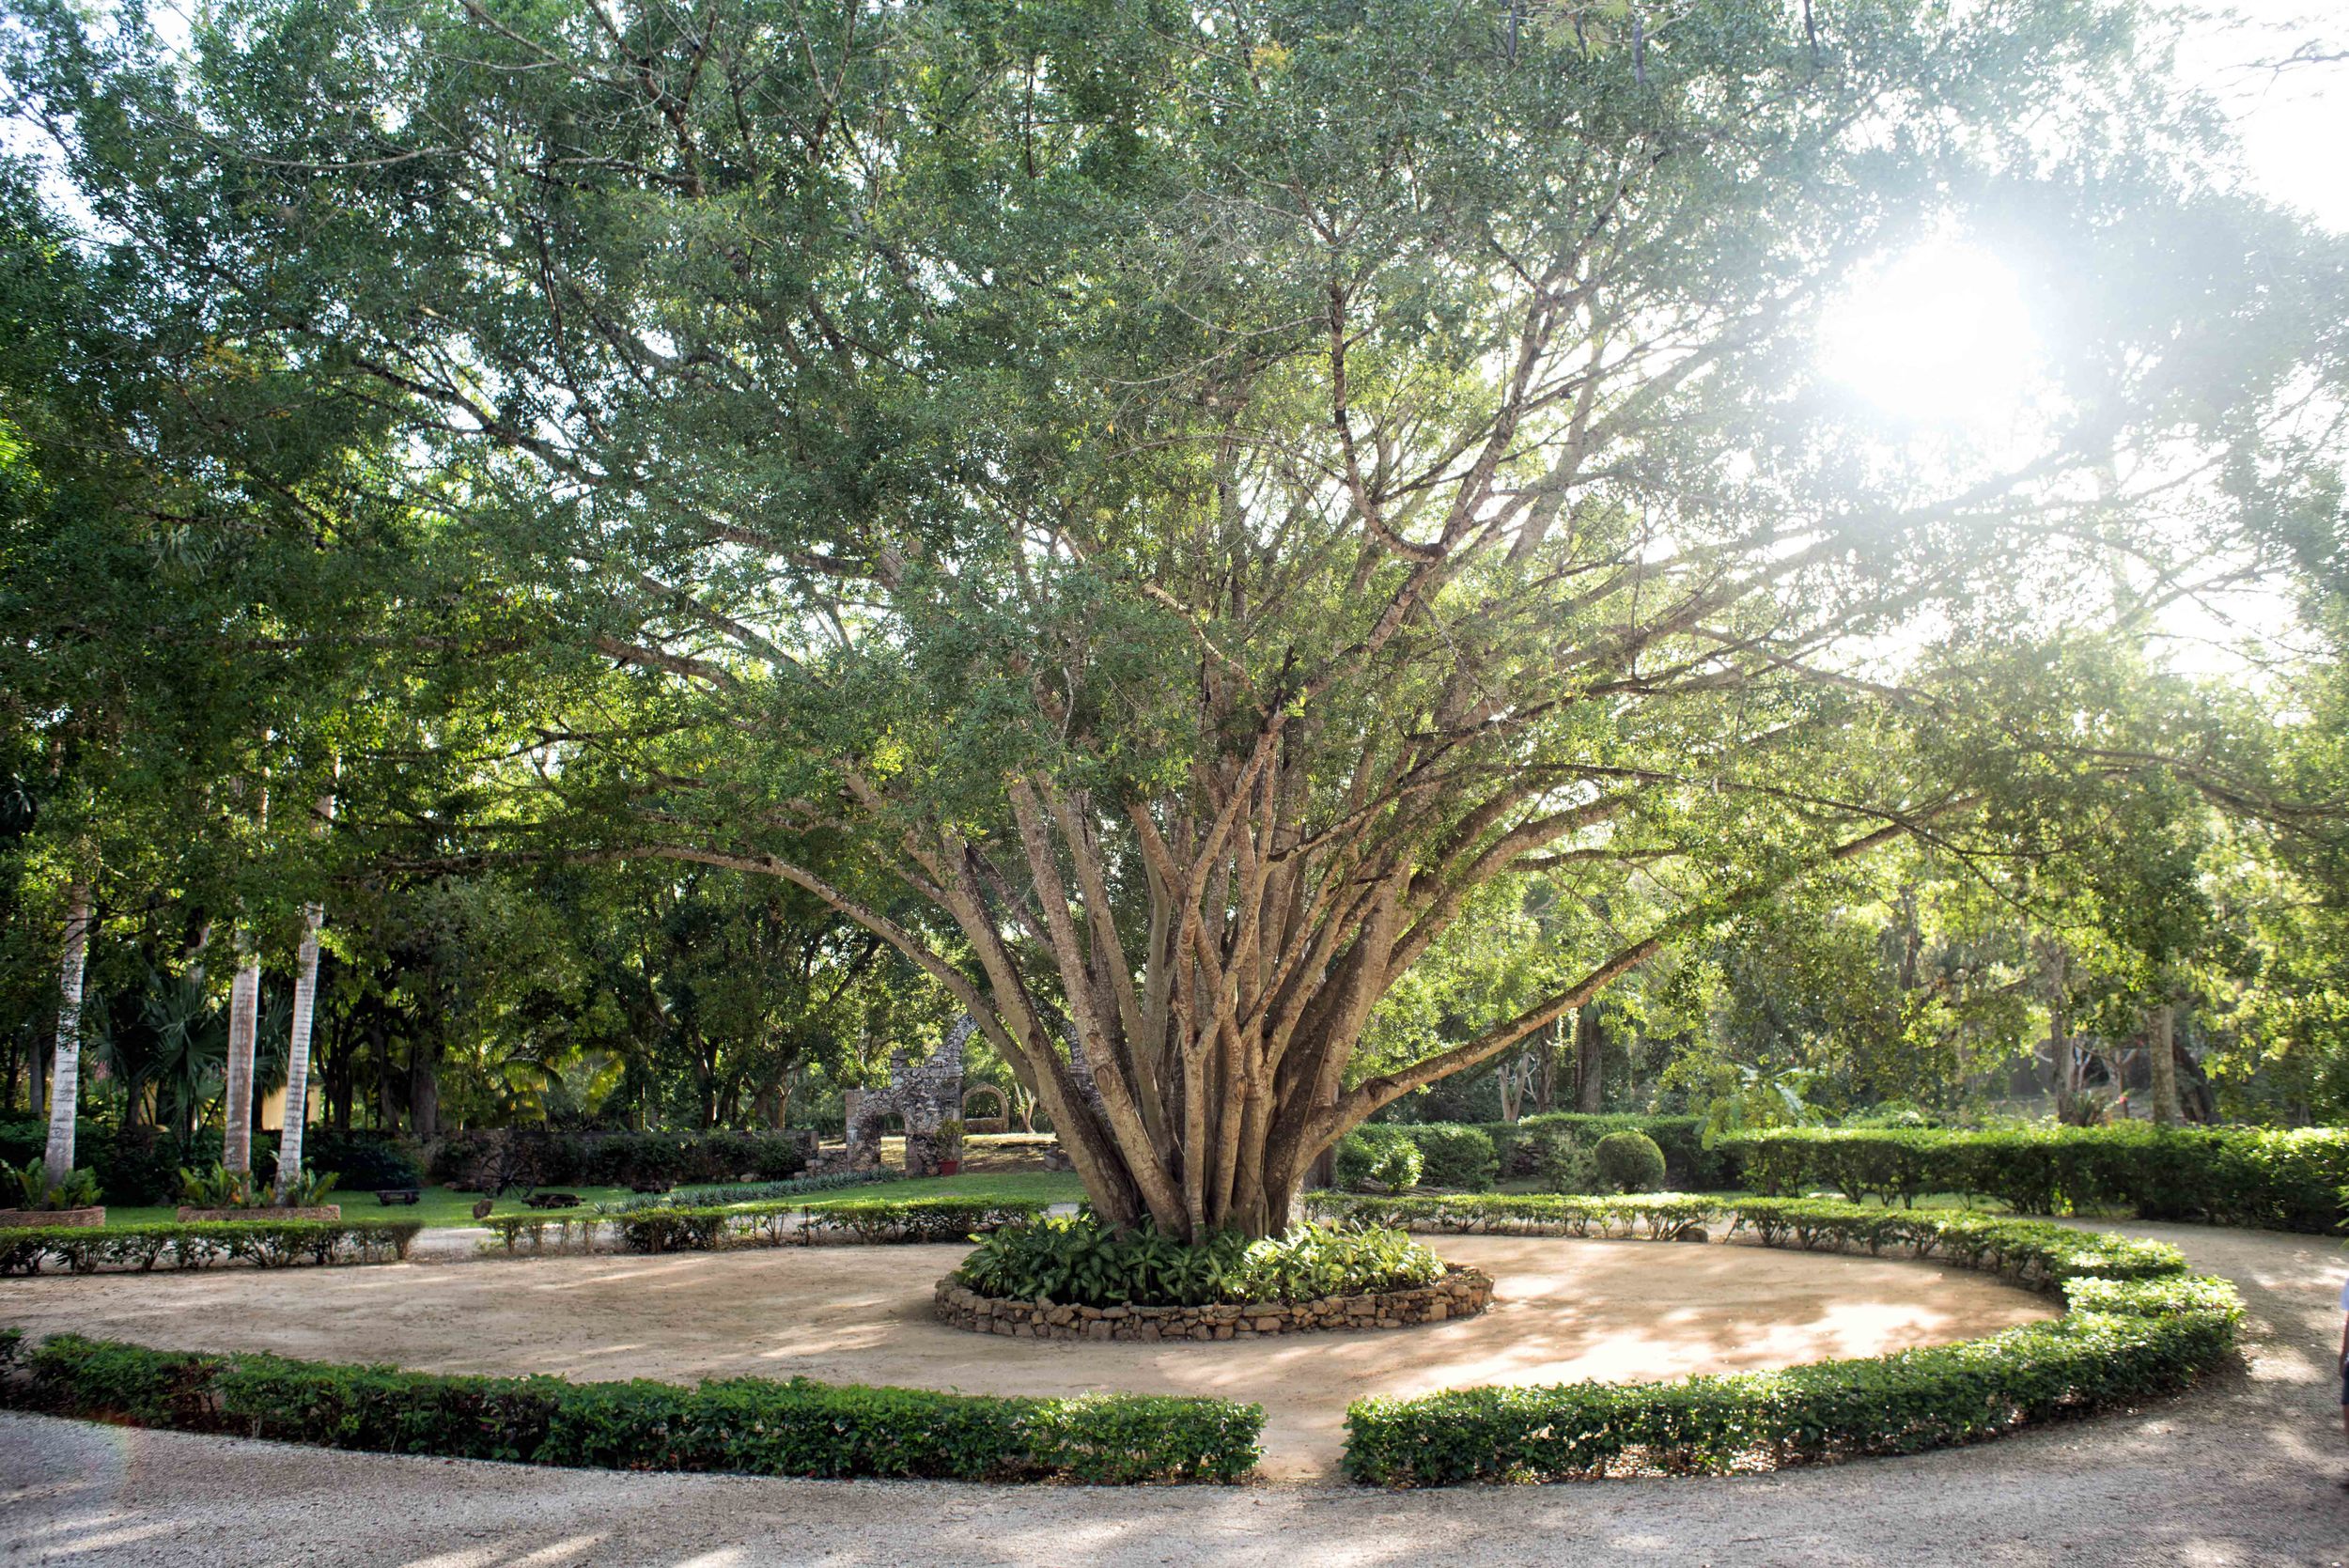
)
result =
(2240, 1471)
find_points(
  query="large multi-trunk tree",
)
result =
(1155, 509)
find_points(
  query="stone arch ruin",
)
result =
(999, 1122)
(924, 1091)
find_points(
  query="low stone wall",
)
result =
(321, 1211)
(1461, 1293)
(78, 1217)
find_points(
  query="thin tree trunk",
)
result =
(2161, 1051)
(298, 1053)
(65, 1079)
(244, 1020)
(297, 1115)
(244, 1023)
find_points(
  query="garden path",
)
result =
(2240, 1471)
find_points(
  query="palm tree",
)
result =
(65, 1079)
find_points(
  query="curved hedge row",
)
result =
(2280, 1179)
(264, 1244)
(750, 1426)
(2135, 1324)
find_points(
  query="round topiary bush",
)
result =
(1629, 1162)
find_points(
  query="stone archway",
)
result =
(998, 1122)
(925, 1092)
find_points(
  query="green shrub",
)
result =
(217, 1188)
(29, 1187)
(741, 1425)
(1628, 1162)
(264, 1243)
(1454, 1154)
(1395, 1165)
(1367, 1157)
(1562, 1162)
(1076, 1261)
(2282, 1180)
(1689, 1164)
(1441, 1153)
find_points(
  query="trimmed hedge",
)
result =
(2136, 1326)
(673, 1228)
(265, 1244)
(624, 1158)
(2287, 1180)
(1451, 1154)
(2037, 1252)
(749, 1426)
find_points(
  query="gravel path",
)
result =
(2240, 1471)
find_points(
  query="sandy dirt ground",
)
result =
(1564, 1310)
(2240, 1471)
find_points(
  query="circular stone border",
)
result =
(1461, 1293)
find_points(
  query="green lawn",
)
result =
(441, 1206)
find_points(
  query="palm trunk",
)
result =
(65, 1079)
(2162, 1051)
(245, 1020)
(297, 1116)
(298, 1053)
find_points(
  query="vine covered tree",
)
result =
(1151, 510)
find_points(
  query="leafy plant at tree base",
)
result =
(1628, 1162)
(217, 1188)
(310, 1188)
(1077, 1260)
(34, 1190)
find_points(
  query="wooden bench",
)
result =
(553, 1200)
(387, 1196)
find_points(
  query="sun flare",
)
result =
(1937, 335)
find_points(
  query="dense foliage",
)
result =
(1076, 1261)
(748, 1426)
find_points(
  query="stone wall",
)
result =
(1461, 1293)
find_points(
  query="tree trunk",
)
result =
(2161, 1053)
(424, 1091)
(298, 1053)
(1590, 1066)
(244, 1020)
(65, 1079)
